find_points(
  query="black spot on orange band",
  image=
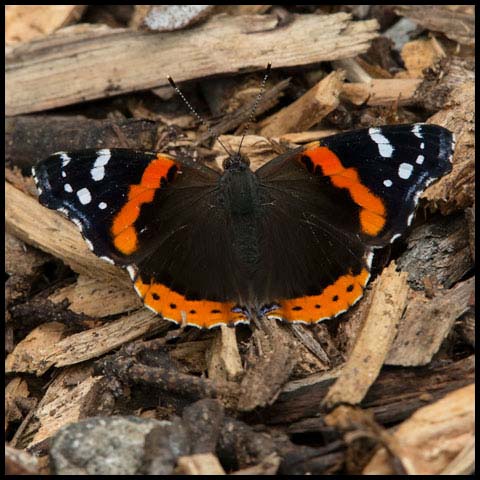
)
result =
(372, 212)
(334, 299)
(176, 308)
(157, 173)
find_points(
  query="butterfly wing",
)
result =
(331, 202)
(385, 170)
(157, 216)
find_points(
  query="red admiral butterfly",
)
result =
(293, 240)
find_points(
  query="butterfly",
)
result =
(293, 240)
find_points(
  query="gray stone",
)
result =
(102, 446)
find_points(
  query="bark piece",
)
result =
(199, 464)
(433, 436)
(437, 252)
(41, 75)
(24, 23)
(166, 378)
(455, 191)
(426, 323)
(23, 266)
(375, 339)
(269, 369)
(29, 139)
(308, 110)
(382, 91)
(395, 395)
(457, 22)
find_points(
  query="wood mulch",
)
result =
(386, 388)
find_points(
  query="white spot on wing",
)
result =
(369, 260)
(102, 205)
(409, 219)
(65, 158)
(405, 170)
(89, 243)
(388, 183)
(68, 188)
(420, 159)
(98, 170)
(417, 130)
(84, 196)
(385, 148)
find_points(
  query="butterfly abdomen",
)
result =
(240, 199)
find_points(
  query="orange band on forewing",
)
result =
(334, 299)
(175, 307)
(124, 233)
(372, 214)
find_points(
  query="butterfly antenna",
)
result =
(197, 116)
(255, 105)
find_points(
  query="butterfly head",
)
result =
(236, 162)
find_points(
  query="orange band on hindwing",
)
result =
(176, 308)
(334, 299)
(372, 209)
(123, 230)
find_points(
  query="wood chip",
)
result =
(433, 436)
(199, 464)
(95, 298)
(419, 55)
(308, 110)
(389, 298)
(381, 91)
(24, 23)
(224, 362)
(65, 69)
(66, 402)
(30, 354)
(16, 389)
(426, 323)
(95, 342)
